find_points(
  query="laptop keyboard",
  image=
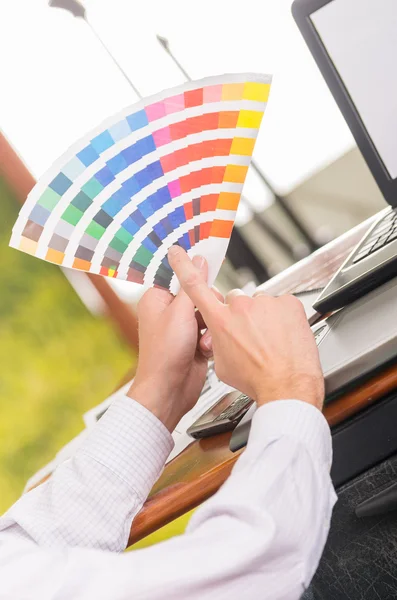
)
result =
(384, 233)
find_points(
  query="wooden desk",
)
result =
(200, 470)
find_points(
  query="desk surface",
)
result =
(200, 469)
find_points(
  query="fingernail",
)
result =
(198, 261)
(207, 342)
(173, 251)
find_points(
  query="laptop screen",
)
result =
(360, 37)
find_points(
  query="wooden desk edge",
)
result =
(183, 497)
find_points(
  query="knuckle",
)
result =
(260, 294)
(264, 298)
(241, 303)
(292, 301)
(233, 294)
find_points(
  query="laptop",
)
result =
(354, 43)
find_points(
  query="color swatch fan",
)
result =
(167, 170)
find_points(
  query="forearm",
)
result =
(91, 499)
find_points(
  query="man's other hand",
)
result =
(173, 357)
(263, 346)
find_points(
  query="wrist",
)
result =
(303, 387)
(156, 397)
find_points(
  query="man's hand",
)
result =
(263, 346)
(173, 358)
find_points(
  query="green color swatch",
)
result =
(49, 199)
(143, 256)
(124, 236)
(95, 230)
(72, 215)
(92, 188)
(118, 245)
(81, 201)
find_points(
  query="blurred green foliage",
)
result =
(56, 360)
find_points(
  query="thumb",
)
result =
(153, 302)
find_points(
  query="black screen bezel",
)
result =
(302, 11)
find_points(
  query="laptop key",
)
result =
(361, 255)
(367, 246)
(382, 228)
(380, 243)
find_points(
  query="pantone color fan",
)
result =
(167, 170)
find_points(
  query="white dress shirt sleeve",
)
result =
(92, 498)
(260, 536)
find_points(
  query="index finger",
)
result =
(193, 283)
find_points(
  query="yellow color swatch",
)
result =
(256, 91)
(27, 245)
(232, 91)
(250, 118)
(55, 256)
(235, 173)
(228, 201)
(242, 146)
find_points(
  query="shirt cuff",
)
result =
(295, 419)
(131, 442)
